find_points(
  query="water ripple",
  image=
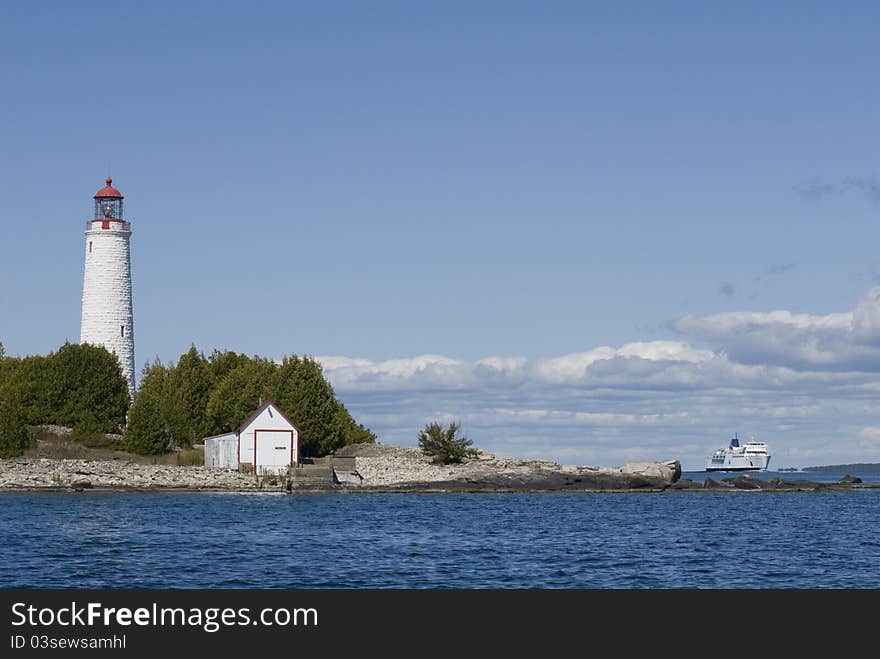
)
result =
(93, 540)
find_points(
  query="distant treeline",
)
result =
(855, 468)
(177, 404)
(79, 386)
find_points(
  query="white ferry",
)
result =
(751, 456)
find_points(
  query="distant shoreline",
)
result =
(854, 468)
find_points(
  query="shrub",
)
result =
(443, 446)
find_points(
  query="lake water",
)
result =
(199, 540)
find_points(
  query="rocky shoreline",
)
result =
(382, 468)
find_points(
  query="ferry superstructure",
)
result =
(751, 456)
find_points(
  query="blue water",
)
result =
(198, 540)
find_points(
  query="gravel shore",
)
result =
(54, 474)
(357, 468)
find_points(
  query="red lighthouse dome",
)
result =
(108, 190)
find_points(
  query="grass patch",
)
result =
(194, 457)
(59, 443)
(93, 439)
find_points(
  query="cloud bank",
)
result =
(802, 382)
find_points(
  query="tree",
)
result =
(238, 393)
(304, 395)
(79, 386)
(13, 421)
(442, 444)
(87, 388)
(148, 432)
(188, 388)
(221, 362)
(198, 397)
(41, 391)
(350, 431)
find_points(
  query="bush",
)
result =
(442, 444)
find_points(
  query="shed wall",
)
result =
(221, 452)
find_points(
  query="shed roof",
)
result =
(223, 435)
(259, 411)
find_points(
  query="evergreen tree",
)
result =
(79, 386)
(349, 430)
(304, 395)
(238, 393)
(220, 363)
(148, 430)
(87, 389)
(40, 389)
(186, 400)
(180, 404)
(13, 421)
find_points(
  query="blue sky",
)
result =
(413, 189)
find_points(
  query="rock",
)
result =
(348, 477)
(686, 484)
(81, 485)
(850, 480)
(711, 484)
(669, 470)
(746, 483)
(798, 485)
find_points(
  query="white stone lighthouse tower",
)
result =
(107, 317)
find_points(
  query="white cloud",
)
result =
(425, 370)
(869, 438)
(805, 383)
(838, 341)
(866, 319)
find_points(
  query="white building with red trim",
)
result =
(268, 441)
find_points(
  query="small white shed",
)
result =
(268, 440)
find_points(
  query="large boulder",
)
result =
(668, 470)
(850, 480)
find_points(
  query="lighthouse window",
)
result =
(122, 330)
(90, 247)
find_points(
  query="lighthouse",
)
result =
(107, 317)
